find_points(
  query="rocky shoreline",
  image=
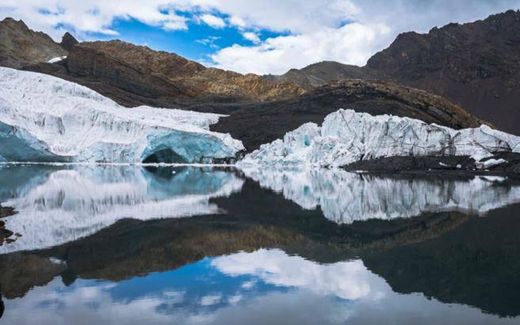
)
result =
(452, 165)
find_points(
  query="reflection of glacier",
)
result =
(347, 197)
(43, 118)
(63, 205)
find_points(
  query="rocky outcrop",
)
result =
(20, 46)
(68, 41)
(262, 123)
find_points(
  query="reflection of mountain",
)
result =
(347, 197)
(68, 204)
(476, 264)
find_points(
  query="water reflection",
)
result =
(345, 197)
(59, 206)
(325, 247)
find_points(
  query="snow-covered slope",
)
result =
(346, 197)
(346, 137)
(43, 118)
(58, 206)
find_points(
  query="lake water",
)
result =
(186, 245)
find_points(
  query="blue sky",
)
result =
(198, 42)
(264, 36)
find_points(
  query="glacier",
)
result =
(346, 137)
(59, 205)
(47, 119)
(346, 197)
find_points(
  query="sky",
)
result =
(260, 36)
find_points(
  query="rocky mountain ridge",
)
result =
(20, 46)
(135, 75)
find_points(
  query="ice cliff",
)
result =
(345, 197)
(346, 137)
(43, 118)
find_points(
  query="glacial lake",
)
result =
(191, 245)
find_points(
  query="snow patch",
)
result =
(491, 163)
(57, 59)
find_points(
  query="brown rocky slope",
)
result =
(134, 75)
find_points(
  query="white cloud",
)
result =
(253, 37)
(349, 31)
(352, 43)
(213, 21)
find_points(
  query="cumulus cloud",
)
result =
(352, 43)
(348, 31)
(213, 21)
(253, 37)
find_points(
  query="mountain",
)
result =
(135, 75)
(322, 73)
(20, 46)
(262, 108)
(260, 123)
(476, 65)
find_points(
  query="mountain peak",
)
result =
(13, 22)
(22, 46)
(68, 41)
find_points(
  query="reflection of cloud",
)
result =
(210, 300)
(74, 203)
(346, 280)
(347, 197)
(311, 300)
(248, 284)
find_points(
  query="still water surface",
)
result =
(128, 245)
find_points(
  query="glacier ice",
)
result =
(56, 206)
(347, 136)
(43, 118)
(346, 197)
